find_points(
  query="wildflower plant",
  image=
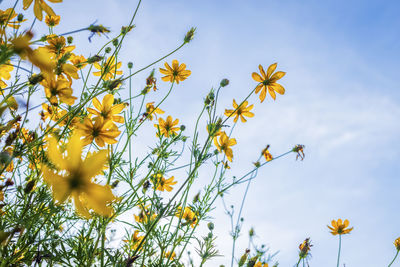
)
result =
(73, 189)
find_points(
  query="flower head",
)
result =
(75, 178)
(339, 227)
(266, 154)
(259, 264)
(5, 70)
(164, 184)
(52, 21)
(79, 61)
(240, 111)
(101, 131)
(170, 255)
(58, 91)
(135, 240)
(39, 7)
(6, 17)
(176, 73)
(397, 243)
(152, 111)
(268, 81)
(109, 69)
(107, 109)
(224, 144)
(188, 215)
(305, 248)
(167, 127)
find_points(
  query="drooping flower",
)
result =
(188, 215)
(40, 6)
(339, 227)
(176, 73)
(108, 70)
(152, 111)
(224, 144)
(167, 127)
(266, 154)
(101, 131)
(305, 248)
(268, 82)
(52, 21)
(241, 111)
(107, 109)
(73, 177)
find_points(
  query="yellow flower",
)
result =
(266, 154)
(305, 248)
(101, 131)
(52, 21)
(167, 127)
(176, 73)
(339, 228)
(188, 215)
(397, 243)
(106, 109)
(151, 110)
(241, 111)
(38, 57)
(224, 144)
(5, 70)
(259, 264)
(170, 255)
(79, 61)
(164, 184)
(57, 46)
(58, 88)
(268, 81)
(6, 17)
(75, 178)
(39, 7)
(135, 240)
(108, 70)
(144, 215)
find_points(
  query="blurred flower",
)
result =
(152, 111)
(39, 7)
(76, 176)
(52, 21)
(79, 61)
(268, 81)
(170, 255)
(108, 70)
(167, 127)
(101, 131)
(259, 264)
(339, 228)
(176, 73)
(241, 111)
(224, 144)
(188, 215)
(106, 109)
(135, 240)
(6, 17)
(5, 70)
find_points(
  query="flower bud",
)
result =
(130, 65)
(20, 17)
(70, 39)
(189, 35)
(93, 59)
(115, 42)
(210, 226)
(108, 49)
(224, 82)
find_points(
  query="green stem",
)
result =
(340, 246)
(297, 265)
(397, 253)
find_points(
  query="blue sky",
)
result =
(342, 101)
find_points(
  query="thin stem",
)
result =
(397, 253)
(340, 246)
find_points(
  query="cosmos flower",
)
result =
(268, 82)
(224, 144)
(176, 73)
(167, 127)
(241, 111)
(339, 227)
